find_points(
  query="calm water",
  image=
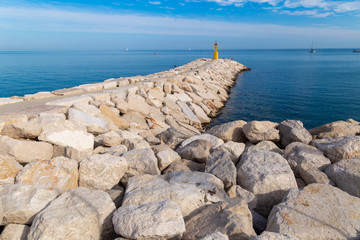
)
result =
(283, 84)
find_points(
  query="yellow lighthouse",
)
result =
(216, 54)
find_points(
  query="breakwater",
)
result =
(129, 159)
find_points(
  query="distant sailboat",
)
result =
(357, 50)
(312, 50)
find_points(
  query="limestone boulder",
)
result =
(190, 190)
(93, 124)
(101, 171)
(173, 136)
(238, 192)
(220, 165)
(300, 153)
(9, 168)
(166, 157)
(24, 151)
(197, 150)
(267, 175)
(263, 146)
(234, 149)
(87, 108)
(316, 212)
(230, 218)
(346, 147)
(15, 232)
(60, 174)
(113, 118)
(154, 220)
(273, 236)
(26, 130)
(313, 175)
(184, 165)
(199, 112)
(80, 213)
(188, 113)
(137, 103)
(257, 131)
(116, 194)
(110, 139)
(215, 141)
(215, 236)
(335, 130)
(346, 175)
(293, 131)
(231, 131)
(22, 202)
(68, 134)
(140, 161)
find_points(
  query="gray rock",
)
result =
(155, 220)
(15, 232)
(238, 192)
(335, 130)
(22, 202)
(197, 150)
(184, 165)
(93, 124)
(215, 236)
(215, 141)
(27, 130)
(116, 194)
(313, 175)
(234, 149)
(257, 131)
(25, 151)
(188, 113)
(300, 153)
(80, 213)
(316, 212)
(101, 171)
(166, 157)
(267, 175)
(140, 161)
(190, 190)
(264, 146)
(273, 236)
(293, 131)
(346, 147)
(231, 131)
(173, 136)
(346, 175)
(110, 139)
(232, 219)
(220, 165)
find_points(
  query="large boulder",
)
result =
(140, 161)
(238, 192)
(234, 149)
(346, 147)
(215, 141)
(267, 175)
(316, 212)
(335, 130)
(166, 157)
(15, 232)
(93, 124)
(184, 165)
(154, 220)
(68, 134)
(9, 168)
(101, 171)
(24, 151)
(220, 165)
(257, 131)
(173, 136)
(273, 236)
(300, 153)
(346, 175)
(60, 174)
(80, 213)
(22, 202)
(293, 131)
(231, 131)
(263, 146)
(230, 218)
(198, 150)
(190, 190)
(215, 236)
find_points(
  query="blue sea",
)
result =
(283, 84)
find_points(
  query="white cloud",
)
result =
(155, 2)
(313, 13)
(347, 7)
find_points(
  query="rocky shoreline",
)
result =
(129, 158)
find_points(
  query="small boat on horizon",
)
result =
(357, 50)
(312, 50)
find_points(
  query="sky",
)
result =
(166, 25)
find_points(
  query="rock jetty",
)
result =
(130, 158)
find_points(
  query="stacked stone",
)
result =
(132, 161)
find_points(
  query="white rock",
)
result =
(25, 151)
(216, 142)
(273, 236)
(215, 236)
(5, 101)
(94, 125)
(9, 168)
(237, 191)
(67, 134)
(234, 149)
(166, 157)
(199, 112)
(293, 131)
(257, 131)
(60, 174)
(80, 213)
(231, 131)
(155, 220)
(70, 101)
(183, 97)
(267, 175)
(15, 232)
(187, 111)
(101, 171)
(22, 202)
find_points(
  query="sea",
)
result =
(294, 84)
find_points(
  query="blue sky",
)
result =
(165, 24)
